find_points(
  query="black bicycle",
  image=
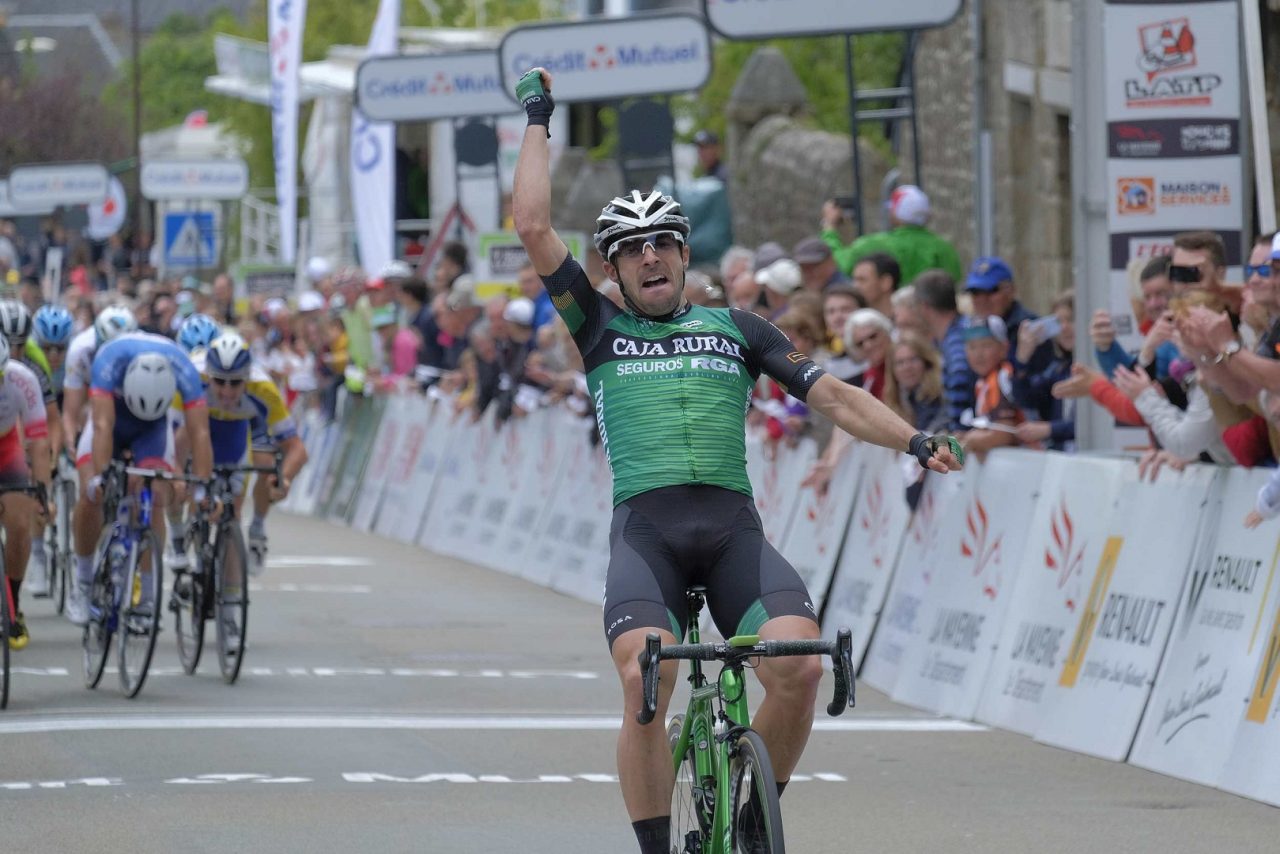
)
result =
(725, 799)
(9, 608)
(58, 535)
(217, 587)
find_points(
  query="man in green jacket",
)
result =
(915, 247)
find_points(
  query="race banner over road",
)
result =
(285, 22)
(1173, 133)
(759, 19)
(606, 60)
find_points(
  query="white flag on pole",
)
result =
(373, 159)
(285, 22)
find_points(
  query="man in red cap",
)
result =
(914, 246)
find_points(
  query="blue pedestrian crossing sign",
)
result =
(190, 239)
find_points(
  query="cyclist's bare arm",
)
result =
(197, 420)
(531, 199)
(72, 411)
(860, 414)
(103, 412)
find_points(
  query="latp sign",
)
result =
(48, 185)
(760, 19)
(611, 59)
(435, 86)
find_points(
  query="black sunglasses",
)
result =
(223, 381)
(1266, 271)
(1183, 274)
(54, 348)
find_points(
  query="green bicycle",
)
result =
(725, 798)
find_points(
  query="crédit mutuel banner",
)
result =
(605, 60)
(1173, 128)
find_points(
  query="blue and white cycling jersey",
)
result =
(112, 361)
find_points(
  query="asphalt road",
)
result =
(393, 700)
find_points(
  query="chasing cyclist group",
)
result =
(73, 400)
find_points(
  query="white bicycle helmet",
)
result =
(228, 356)
(635, 214)
(112, 322)
(149, 386)
(15, 320)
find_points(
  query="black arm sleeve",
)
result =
(770, 352)
(585, 312)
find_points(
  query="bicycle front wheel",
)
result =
(188, 601)
(60, 560)
(102, 613)
(690, 819)
(140, 614)
(757, 816)
(5, 611)
(231, 605)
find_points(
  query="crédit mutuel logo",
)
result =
(604, 57)
(1166, 58)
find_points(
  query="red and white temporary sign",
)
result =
(922, 549)
(1114, 650)
(607, 59)
(1221, 633)
(411, 477)
(818, 525)
(876, 526)
(364, 509)
(1051, 586)
(980, 552)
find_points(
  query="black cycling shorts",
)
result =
(666, 540)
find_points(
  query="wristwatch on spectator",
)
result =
(1225, 354)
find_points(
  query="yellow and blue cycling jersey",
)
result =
(261, 420)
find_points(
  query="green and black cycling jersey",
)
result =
(671, 395)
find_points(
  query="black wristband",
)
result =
(919, 448)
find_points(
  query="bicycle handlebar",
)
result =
(840, 651)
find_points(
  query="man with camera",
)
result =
(914, 246)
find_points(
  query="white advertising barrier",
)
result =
(38, 187)
(874, 537)
(765, 19)
(509, 475)
(217, 178)
(1050, 587)
(1251, 768)
(460, 481)
(421, 87)
(536, 504)
(980, 553)
(775, 470)
(364, 508)
(1115, 649)
(898, 621)
(610, 59)
(406, 505)
(817, 528)
(311, 426)
(1203, 686)
(575, 529)
(329, 441)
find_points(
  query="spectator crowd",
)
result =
(949, 348)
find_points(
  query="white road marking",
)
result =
(289, 587)
(318, 560)
(466, 723)
(332, 672)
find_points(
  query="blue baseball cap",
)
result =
(987, 273)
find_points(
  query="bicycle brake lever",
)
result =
(842, 663)
(649, 670)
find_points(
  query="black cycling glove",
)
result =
(537, 102)
(923, 447)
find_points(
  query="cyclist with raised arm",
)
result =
(671, 384)
(22, 416)
(77, 437)
(15, 323)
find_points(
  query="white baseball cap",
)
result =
(318, 268)
(909, 204)
(310, 301)
(1275, 247)
(396, 270)
(275, 306)
(782, 276)
(519, 311)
